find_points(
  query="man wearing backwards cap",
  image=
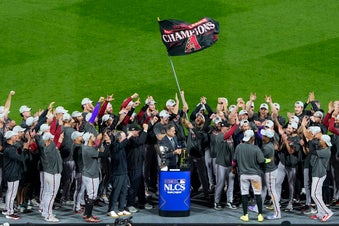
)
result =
(248, 158)
(319, 170)
(13, 169)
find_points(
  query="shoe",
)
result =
(231, 206)
(85, 217)
(270, 207)
(113, 214)
(124, 213)
(92, 220)
(148, 194)
(310, 210)
(260, 218)
(217, 206)
(289, 208)
(4, 212)
(326, 217)
(253, 208)
(52, 219)
(13, 217)
(148, 206)
(105, 199)
(34, 202)
(244, 218)
(69, 203)
(132, 209)
(314, 217)
(79, 211)
(272, 217)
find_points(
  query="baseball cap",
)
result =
(2, 115)
(231, 107)
(76, 114)
(86, 137)
(327, 139)
(277, 106)
(264, 105)
(244, 122)
(164, 114)
(31, 120)
(267, 132)
(47, 136)
(314, 129)
(170, 102)
(201, 115)
(295, 119)
(86, 100)
(133, 127)
(217, 120)
(9, 134)
(247, 135)
(44, 127)
(18, 129)
(299, 103)
(318, 114)
(66, 117)
(24, 108)
(76, 134)
(149, 102)
(269, 123)
(242, 112)
(294, 125)
(105, 118)
(60, 109)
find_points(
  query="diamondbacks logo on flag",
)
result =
(181, 38)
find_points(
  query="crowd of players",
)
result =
(96, 154)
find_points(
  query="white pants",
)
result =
(271, 180)
(51, 187)
(12, 190)
(79, 192)
(91, 185)
(317, 196)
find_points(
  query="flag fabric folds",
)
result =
(181, 38)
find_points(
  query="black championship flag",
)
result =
(181, 38)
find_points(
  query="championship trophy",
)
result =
(162, 155)
(184, 159)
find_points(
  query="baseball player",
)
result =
(248, 158)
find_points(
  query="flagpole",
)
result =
(175, 76)
(176, 80)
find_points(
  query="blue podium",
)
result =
(174, 193)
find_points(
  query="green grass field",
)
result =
(62, 51)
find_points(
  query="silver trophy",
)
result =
(162, 155)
